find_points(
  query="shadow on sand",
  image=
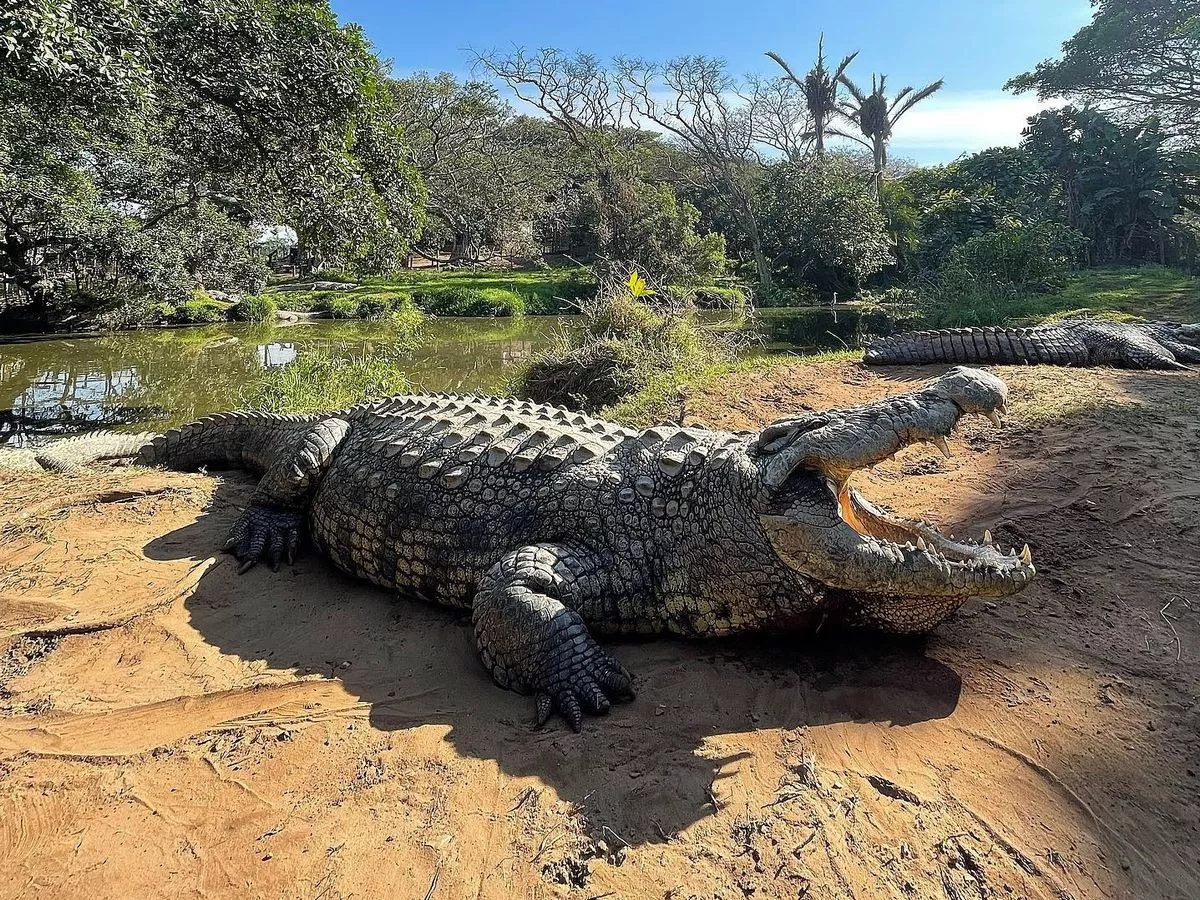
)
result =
(646, 770)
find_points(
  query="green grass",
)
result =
(503, 292)
(1149, 292)
(316, 382)
(1145, 292)
(199, 311)
(254, 309)
(458, 300)
(542, 291)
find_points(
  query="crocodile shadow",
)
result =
(646, 770)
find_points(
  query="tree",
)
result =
(820, 90)
(125, 119)
(486, 172)
(630, 219)
(1135, 58)
(821, 227)
(1003, 187)
(1119, 183)
(718, 129)
(876, 118)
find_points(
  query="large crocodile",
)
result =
(550, 525)
(1071, 342)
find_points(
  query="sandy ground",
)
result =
(170, 729)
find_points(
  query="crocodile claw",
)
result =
(262, 534)
(591, 691)
(587, 684)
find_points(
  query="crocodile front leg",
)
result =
(533, 641)
(270, 527)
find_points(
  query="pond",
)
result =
(153, 379)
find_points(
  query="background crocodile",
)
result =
(550, 525)
(1071, 342)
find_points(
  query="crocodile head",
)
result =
(887, 571)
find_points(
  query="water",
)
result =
(153, 379)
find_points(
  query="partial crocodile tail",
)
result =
(249, 441)
(979, 345)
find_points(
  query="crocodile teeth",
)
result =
(940, 443)
(987, 536)
(1026, 556)
(921, 544)
(994, 417)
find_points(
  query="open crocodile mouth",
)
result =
(821, 526)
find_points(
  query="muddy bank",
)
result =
(167, 727)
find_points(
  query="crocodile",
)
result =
(552, 527)
(1070, 342)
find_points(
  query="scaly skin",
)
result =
(552, 526)
(1071, 342)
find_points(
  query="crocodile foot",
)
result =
(261, 533)
(534, 644)
(576, 675)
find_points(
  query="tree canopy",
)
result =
(1136, 57)
(125, 124)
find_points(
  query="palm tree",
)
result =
(820, 89)
(875, 117)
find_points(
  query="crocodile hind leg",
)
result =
(270, 527)
(533, 641)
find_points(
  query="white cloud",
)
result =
(950, 123)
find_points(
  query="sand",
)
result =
(168, 728)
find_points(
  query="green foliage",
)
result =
(1136, 57)
(931, 211)
(821, 227)
(470, 301)
(1118, 183)
(376, 306)
(318, 381)
(140, 140)
(1147, 292)
(200, 310)
(779, 295)
(1035, 257)
(544, 291)
(713, 296)
(337, 305)
(254, 308)
(630, 341)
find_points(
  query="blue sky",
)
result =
(976, 45)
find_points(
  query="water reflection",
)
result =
(156, 378)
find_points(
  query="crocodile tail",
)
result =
(249, 441)
(71, 453)
(977, 345)
(948, 345)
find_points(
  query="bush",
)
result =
(822, 226)
(632, 339)
(713, 296)
(548, 298)
(1035, 257)
(338, 305)
(405, 320)
(200, 310)
(778, 295)
(465, 301)
(254, 309)
(339, 275)
(382, 304)
(318, 381)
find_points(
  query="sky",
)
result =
(975, 45)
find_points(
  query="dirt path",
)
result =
(170, 729)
